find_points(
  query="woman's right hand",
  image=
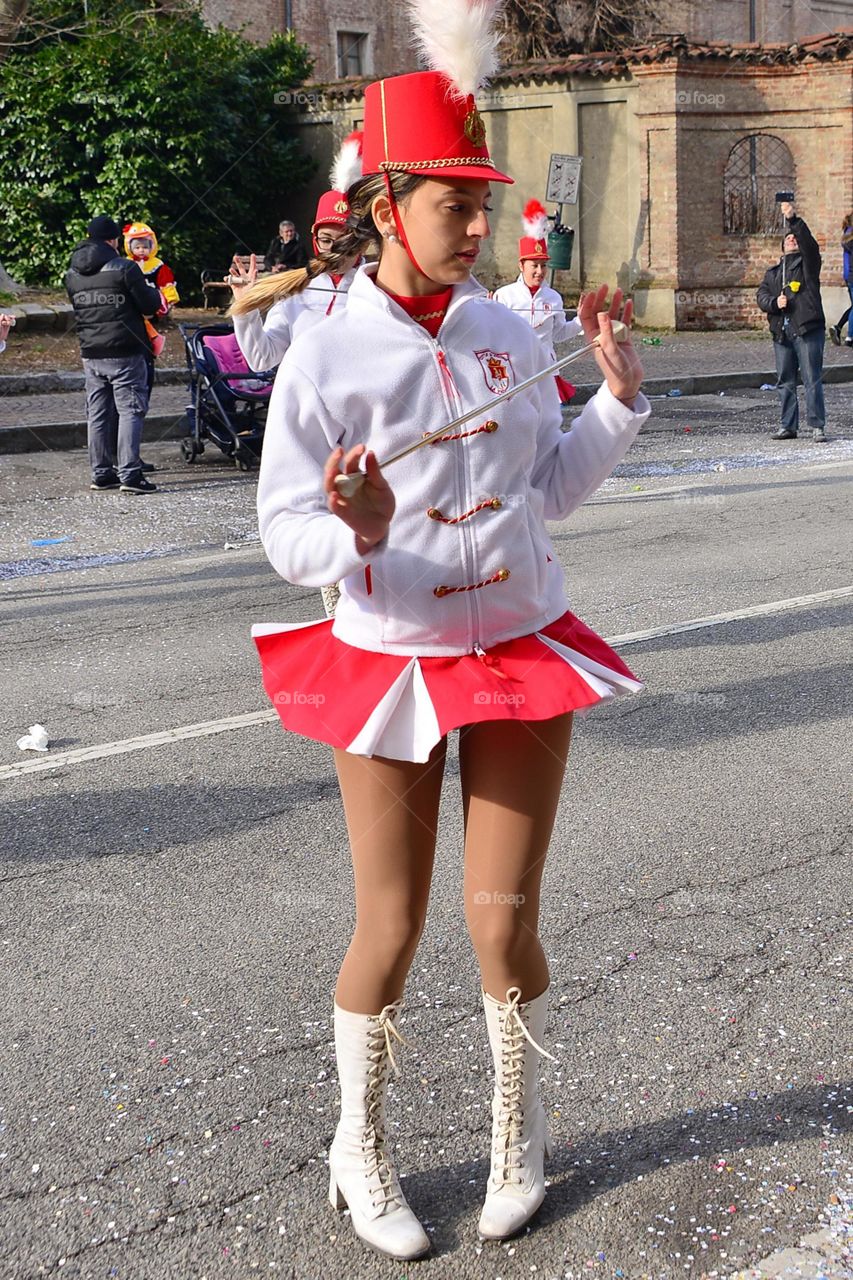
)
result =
(782, 301)
(240, 276)
(368, 512)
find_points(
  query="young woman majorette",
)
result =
(264, 342)
(453, 613)
(529, 295)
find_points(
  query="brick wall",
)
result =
(317, 22)
(776, 21)
(260, 18)
(808, 107)
(676, 121)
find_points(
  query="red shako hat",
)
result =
(333, 205)
(427, 123)
(534, 221)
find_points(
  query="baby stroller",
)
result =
(228, 402)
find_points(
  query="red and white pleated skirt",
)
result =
(399, 707)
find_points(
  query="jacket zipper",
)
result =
(455, 406)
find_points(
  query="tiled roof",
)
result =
(667, 48)
(677, 48)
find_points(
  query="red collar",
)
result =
(428, 311)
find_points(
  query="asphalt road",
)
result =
(173, 916)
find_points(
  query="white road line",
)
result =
(201, 730)
(208, 727)
(717, 619)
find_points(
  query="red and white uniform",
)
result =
(265, 341)
(466, 585)
(543, 311)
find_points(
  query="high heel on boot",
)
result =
(520, 1139)
(362, 1174)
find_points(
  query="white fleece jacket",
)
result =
(370, 374)
(543, 311)
(264, 342)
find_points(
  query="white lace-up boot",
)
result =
(520, 1140)
(362, 1175)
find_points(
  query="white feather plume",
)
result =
(458, 38)
(347, 167)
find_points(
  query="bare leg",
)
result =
(511, 777)
(391, 810)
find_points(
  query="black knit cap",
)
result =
(103, 228)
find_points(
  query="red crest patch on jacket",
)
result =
(497, 370)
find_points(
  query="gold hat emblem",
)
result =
(341, 206)
(474, 129)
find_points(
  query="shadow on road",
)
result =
(581, 1171)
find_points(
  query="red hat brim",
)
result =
(475, 173)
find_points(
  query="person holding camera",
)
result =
(789, 295)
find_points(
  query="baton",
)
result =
(348, 485)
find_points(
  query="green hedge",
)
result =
(159, 119)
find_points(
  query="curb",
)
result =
(165, 426)
(36, 317)
(704, 384)
(47, 437)
(44, 384)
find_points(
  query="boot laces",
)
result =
(509, 1122)
(385, 1188)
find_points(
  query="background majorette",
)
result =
(264, 342)
(540, 305)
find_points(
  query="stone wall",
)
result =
(776, 21)
(655, 138)
(317, 22)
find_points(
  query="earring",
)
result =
(392, 239)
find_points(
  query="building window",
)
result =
(757, 167)
(352, 54)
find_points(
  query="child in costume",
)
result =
(264, 342)
(453, 612)
(529, 295)
(140, 244)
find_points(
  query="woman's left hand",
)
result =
(618, 361)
